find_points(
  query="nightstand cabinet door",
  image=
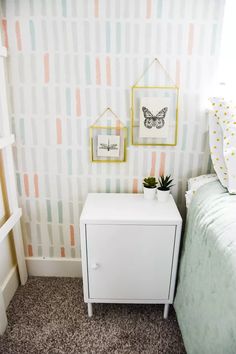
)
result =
(129, 262)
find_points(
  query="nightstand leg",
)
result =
(166, 311)
(90, 309)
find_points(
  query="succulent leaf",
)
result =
(149, 182)
(165, 182)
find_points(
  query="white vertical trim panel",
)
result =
(6, 141)
(9, 171)
(3, 316)
(9, 224)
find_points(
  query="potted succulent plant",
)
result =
(163, 190)
(149, 187)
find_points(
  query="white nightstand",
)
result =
(130, 249)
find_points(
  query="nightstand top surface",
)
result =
(127, 208)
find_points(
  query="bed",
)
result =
(205, 301)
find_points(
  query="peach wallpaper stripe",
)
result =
(135, 185)
(78, 108)
(162, 164)
(26, 185)
(30, 250)
(96, 8)
(36, 186)
(46, 68)
(72, 235)
(18, 36)
(190, 38)
(59, 131)
(98, 72)
(4, 31)
(149, 8)
(108, 71)
(153, 167)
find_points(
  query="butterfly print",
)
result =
(154, 121)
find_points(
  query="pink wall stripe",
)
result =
(77, 99)
(62, 251)
(118, 126)
(5, 35)
(30, 250)
(72, 235)
(108, 70)
(98, 72)
(153, 168)
(46, 68)
(177, 73)
(59, 132)
(149, 9)
(18, 36)
(26, 184)
(162, 164)
(36, 186)
(190, 38)
(96, 8)
(135, 185)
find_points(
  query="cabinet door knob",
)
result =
(94, 265)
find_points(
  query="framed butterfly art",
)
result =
(154, 109)
(154, 115)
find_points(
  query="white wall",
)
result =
(68, 60)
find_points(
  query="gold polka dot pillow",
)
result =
(216, 143)
(225, 112)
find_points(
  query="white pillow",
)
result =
(216, 145)
(195, 183)
(225, 114)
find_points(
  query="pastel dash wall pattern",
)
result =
(69, 60)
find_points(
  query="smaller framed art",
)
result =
(108, 142)
(108, 145)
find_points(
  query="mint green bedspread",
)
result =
(205, 301)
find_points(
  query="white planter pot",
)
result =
(149, 193)
(163, 196)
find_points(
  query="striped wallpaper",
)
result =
(68, 61)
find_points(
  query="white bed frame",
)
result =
(13, 222)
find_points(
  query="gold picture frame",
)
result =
(135, 139)
(118, 130)
(153, 93)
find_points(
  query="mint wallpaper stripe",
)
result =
(214, 39)
(118, 37)
(159, 4)
(49, 211)
(32, 35)
(108, 38)
(87, 70)
(68, 101)
(60, 218)
(69, 162)
(68, 60)
(64, 7)
(18, 181)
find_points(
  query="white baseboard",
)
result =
(10, 285)
(54, 267)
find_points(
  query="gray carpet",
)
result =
(48, 315)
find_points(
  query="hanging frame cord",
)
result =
(102, 114)
(155, 60)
